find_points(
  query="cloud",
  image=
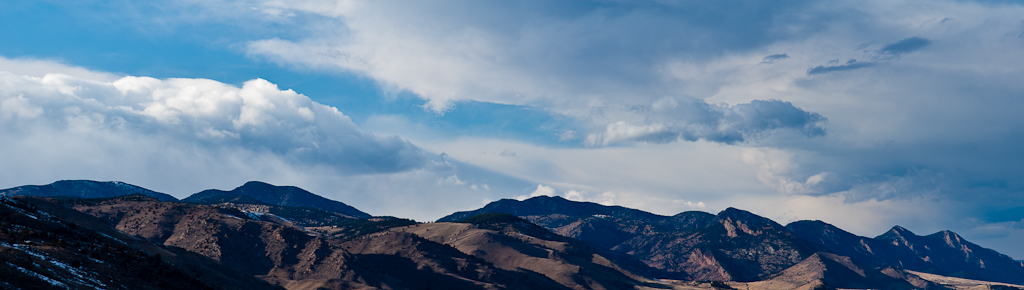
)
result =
(776, 169)
(257, 117)
(904, 46)
(572, 64)
(542, 190)
(180, 136)
(775, 57)
(691, 119)
(564, 55)
(887, 53)
(40, 68)
(850, 65)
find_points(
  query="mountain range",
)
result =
(87, 235)
(737, 245)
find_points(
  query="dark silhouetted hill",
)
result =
(276, 195)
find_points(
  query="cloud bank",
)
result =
(257, 117)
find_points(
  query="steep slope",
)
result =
(47, 246)
(409, 261)
(865, 250)
(826, 270)
(84, 189)
(734, 245)
(276, 195)
(740, 246)
(950, 255)
(514, 244)
(943, 253)
(327, 223)
(954, 283)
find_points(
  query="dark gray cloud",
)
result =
(775, 57)
(850, 65)
(904, 46)
(887, 53)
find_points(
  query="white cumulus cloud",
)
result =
(257, 117)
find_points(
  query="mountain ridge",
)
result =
(84, 189)
(710, 246)
(944, 252)
(277, 195)
(734, 245)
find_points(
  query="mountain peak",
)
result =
(816, 230)
(258, 184)
(897, 233)
(276, 195)
(746, 217)
(545, 205)
(953, 240)
(85, 189)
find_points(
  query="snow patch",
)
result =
(53, 282)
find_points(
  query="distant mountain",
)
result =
(47, 246)
(944, 253)
(547, 205)
(84, 189)
(276, 195)
(734, 245)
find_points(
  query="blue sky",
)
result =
(862, 114)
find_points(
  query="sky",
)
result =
(863, 114)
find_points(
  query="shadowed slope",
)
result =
(48, 246)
